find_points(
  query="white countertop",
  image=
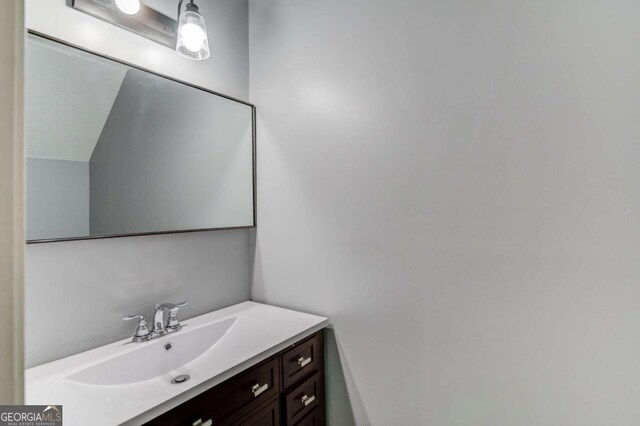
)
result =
(258, 332)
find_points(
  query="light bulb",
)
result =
(130, 7)
(193, 36)
(192, 40)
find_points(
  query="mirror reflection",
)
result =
(115, 150)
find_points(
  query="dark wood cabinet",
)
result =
(268, 415)
(300, 359)
(304, 398)
(314, 418)
(286, 389)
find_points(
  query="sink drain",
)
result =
(180, 379)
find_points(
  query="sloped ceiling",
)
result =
(69, 94)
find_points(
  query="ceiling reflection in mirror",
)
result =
(114, 150)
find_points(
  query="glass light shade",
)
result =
(192, 36)
(129, 7)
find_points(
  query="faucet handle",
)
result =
(132, 317)
(143, 328)
(172, 321)
(178, 306)
(171, 306)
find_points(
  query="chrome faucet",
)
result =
(173, 324)
(143, 333)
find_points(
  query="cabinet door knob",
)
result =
(302, 361)
(257, 389)
(306, 400)
(200, 423)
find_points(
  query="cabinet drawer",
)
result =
(314, 418)
(230, 400)
(304, 398)
(301, 360)
(267, 415)
(247, 390)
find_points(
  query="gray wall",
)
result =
(184, 164)
(76, 292)
(456, 185)
(57, 194)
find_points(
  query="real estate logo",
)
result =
(30, 415)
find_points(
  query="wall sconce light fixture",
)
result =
(192, 33)
(187, 35)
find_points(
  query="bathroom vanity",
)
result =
(248, 364)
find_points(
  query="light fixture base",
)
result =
(192, 7)
(147, 23)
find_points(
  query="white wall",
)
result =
(11, 202)
(456, 185)
(85, 287)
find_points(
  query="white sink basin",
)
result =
(151, 359)
(125, 383)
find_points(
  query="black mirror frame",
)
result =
(181, 231)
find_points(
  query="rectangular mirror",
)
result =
(114, 150)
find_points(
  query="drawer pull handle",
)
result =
(200, 423)
(306, 400)
(257, 389)
(304, 361)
